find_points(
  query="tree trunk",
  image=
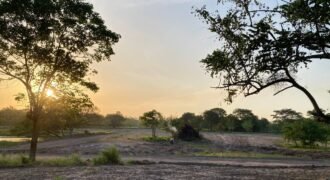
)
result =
(318, 112)
(153, 132)
(34, 138)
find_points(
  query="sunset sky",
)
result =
(156, 65)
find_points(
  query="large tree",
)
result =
(265, 44)
(50, 44)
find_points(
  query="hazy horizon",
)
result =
(156, 65)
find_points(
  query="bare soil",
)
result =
(165, 172)
(178, 161)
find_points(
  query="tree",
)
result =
(214, 118)
(49, 45)
(152, 119)
(264, 45)
(94, 119)
(232, 123)
(115, 120)
(263, 125)
(10, 116)
(247, 118)
(286, 115)
(191, 119)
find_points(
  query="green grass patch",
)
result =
(316, 148)
(108, 156)
(4, 144)
(72, 160)
(14, 160)
(238, 154)
(156, 139)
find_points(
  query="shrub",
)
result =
(188, 133)
(306, 131)
(108, 156)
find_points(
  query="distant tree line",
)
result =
(61, 120)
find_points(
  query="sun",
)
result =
(50, 93)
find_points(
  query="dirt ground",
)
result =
(178, 161)
(165, 172)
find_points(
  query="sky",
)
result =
(156, 65)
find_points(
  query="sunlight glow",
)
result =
(50, 93)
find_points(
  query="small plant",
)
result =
(108, 156)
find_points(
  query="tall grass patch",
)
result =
(13, 160)
(108, 156)
(72, 160)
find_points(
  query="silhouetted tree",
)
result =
(264, 44)
(286, 115)
(50, 44)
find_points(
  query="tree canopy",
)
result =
(265, 44)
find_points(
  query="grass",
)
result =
(239, 154)
(4, 144)
(317, 148)
(156, 139)
(72, 160)
(108, 156)
(13, 160)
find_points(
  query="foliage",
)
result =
(49, 45)
(307, 132)
(188, 133)
(10, 116)
(108, 156)
(265, 44)
(93, 119)
(189, 118)
(157, 139)
(284, 116)
(115, 120)
(214, 119)
(152, 119)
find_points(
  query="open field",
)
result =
(227, 156)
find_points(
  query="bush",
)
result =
(188, 133)
(306, 131)
(108, 156)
